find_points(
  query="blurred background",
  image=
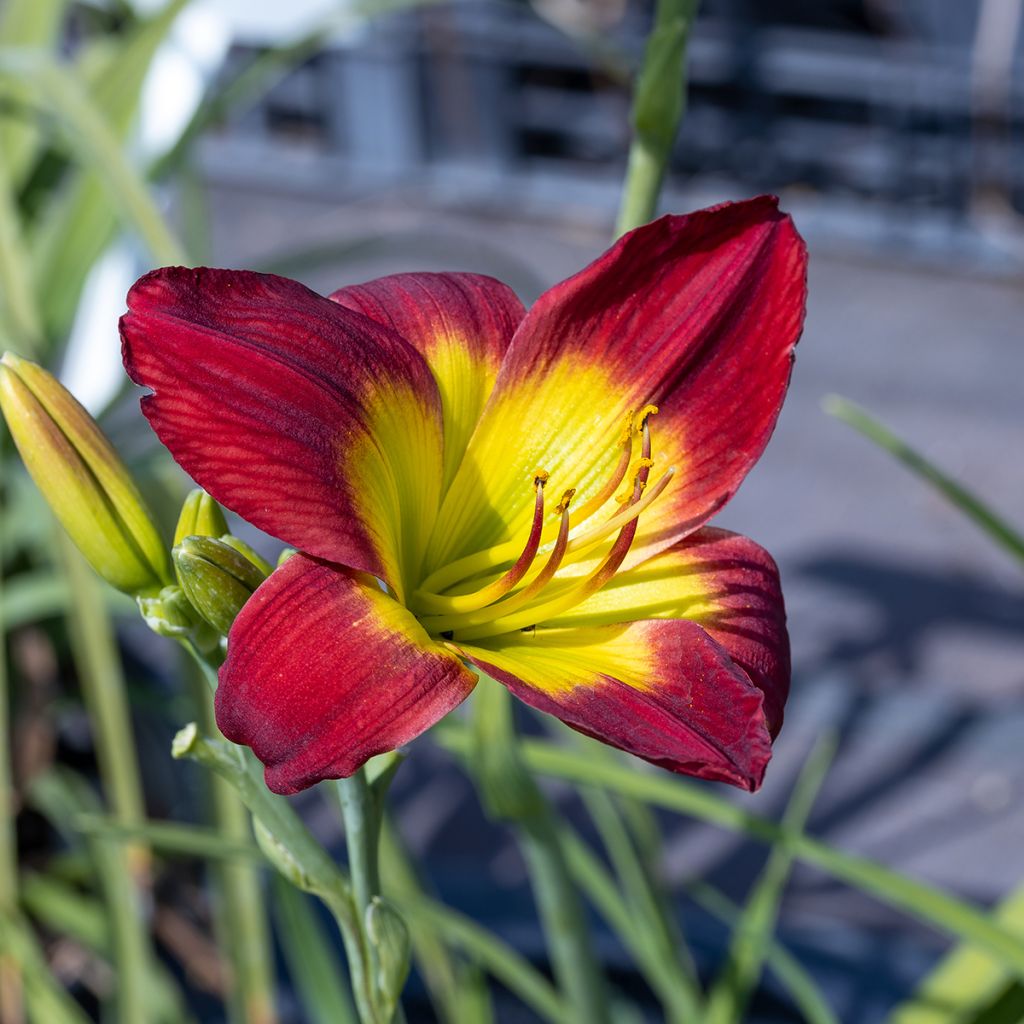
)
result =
(381, 135)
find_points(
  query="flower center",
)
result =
(477, 596)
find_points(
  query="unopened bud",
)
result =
(389, 936)
(169, 613)
(200, 516)
(82, 478)
(217, 578)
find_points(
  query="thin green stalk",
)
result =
(122, 869)
(10, 969)
(731, 991)
(956, 494)
(238, 898)
(649, 909)
(501, 961)
(664, 974)
(362, 808)
(806, 995)
(289, 845)
(362, 836)
(510, 793)
(659, 102)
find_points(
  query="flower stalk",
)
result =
(659, 102)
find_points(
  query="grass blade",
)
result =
(663, 951)
(966, 981)
(955, 493)
(732, 989)
(922, 901)
(315, 972)
(801, 986)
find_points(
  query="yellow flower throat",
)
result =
(530, 591)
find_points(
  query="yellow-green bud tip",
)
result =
(82, 478)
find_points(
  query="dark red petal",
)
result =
(662, 689)
(290, 410)
(325, 671)
(461, 323)
(697, 314)
(723, 582)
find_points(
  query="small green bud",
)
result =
(389, 937)
(82, 479)
(217, 578)
(169, 613)
(200, 516)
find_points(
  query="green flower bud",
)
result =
(389, 937)
(83, 479)
(200, 516)
(217, 578)
(169, 613)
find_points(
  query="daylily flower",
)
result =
(471, 483)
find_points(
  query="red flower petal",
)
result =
(696, 314)
(312, 422)
(660, 689)
(325, 671)
(461, 323)
(723, 582)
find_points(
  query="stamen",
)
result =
(588, 538)
(444, 623)
(589, 586)
(428, 602)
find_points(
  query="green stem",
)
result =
(8, 843)
(362, 811)
(122, 869)
(362, 836)
(10, 970)
(659, 101)
(510, 793)
(290, 847)
(239, 903)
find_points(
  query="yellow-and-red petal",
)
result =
(726, 584)
(325, 670)
(696, 314)
(461, 323)
(661, 689)
(315, 423)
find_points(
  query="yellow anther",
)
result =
(566, 498)
(540, 478)
(627, 429)
(641, 417)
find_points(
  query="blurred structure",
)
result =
(914, 106)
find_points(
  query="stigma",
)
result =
(569, 554)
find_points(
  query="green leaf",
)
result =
(32, 24)
(966, 981)
(45, 998)
(655, 940)
(801, 986)
(666, 975)
(19, 315)
(732, 989)
(955, 493)
(494, 956)
(922, 901)
(82, 219)
(315, 972)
